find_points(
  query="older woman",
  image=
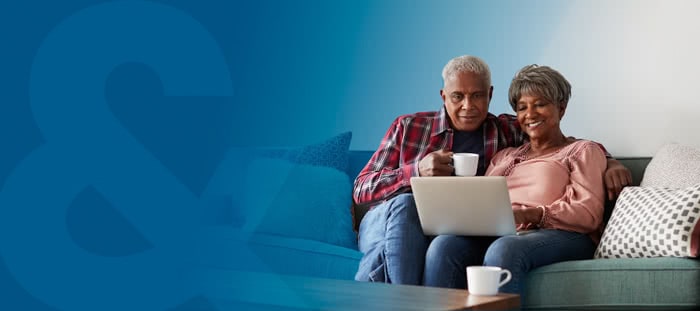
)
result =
(555, 185)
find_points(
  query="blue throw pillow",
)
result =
(320, 162)
(300, 201)
(332, 152)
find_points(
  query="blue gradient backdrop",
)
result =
(128, 107)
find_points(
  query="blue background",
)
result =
(115, 115)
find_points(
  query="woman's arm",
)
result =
(580, 208)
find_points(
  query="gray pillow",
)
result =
(674, 166)
(653, 222)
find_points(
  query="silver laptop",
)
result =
(478, 206)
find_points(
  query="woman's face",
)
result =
(538, 117)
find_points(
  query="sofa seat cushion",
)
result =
(621, 284)
(227, 248)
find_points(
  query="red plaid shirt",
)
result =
(412, 137)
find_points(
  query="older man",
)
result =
(421, 144)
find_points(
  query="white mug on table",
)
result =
(485, 280)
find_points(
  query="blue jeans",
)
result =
(393, 244)
(448, 256)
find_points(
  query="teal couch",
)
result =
(602, 284)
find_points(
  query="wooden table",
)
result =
(230, 290)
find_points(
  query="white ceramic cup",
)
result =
(465, 164)
(485, 280)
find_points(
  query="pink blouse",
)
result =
(568, 183)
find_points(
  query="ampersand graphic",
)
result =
(86, 145)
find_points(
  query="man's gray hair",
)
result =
(466, 63)
(541, 81)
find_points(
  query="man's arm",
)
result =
(383, 176)
(617, 176)
(401, 155)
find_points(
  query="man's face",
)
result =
(466, 96)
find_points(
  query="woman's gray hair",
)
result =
(539, 81)
(466, 63)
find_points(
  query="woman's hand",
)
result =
(527, 217)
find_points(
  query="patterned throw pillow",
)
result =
(653, 222)
(673, 166)
(332, 152)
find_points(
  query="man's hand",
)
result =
(436, 163)
(617, 176)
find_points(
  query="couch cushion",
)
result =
(230, 179)
(653, 222)
(332, 152)
(301, 201)
(223, 247)
(619, 284)
(673, 166)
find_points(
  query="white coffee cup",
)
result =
(465, 164)
(485, 280)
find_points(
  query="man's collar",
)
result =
(441, 123)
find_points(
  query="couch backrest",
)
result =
(636, 165)
(358, 159)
